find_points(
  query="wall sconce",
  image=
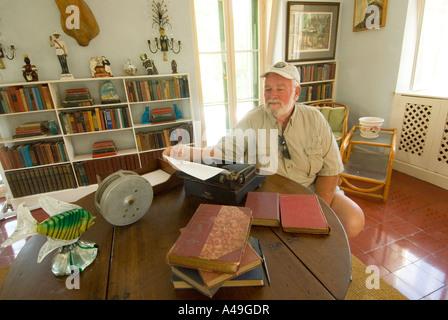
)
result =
(161, 19)
(9, 53)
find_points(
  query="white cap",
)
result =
(284, 69)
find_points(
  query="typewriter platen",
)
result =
(228, 187)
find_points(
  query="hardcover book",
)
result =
(302, 213)
(265, 208)
(214, 239)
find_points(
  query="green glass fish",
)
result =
(67, 222)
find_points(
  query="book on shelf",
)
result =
(40, 180)
(163, 138)
(103, 149)
(265, 208)
(316, 92)
(87, 170)
(302, 213)
(157, 89)
(30, 129)
(249, 273)
(22, 99)
(317, 72)
(77, 98)
(94, 120)
(214, 239)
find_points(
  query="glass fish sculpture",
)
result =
(64, 226)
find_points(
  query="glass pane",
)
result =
(213, 77)
(215, 123)
(210, 26)
(243, 107)
(245, 20)
(247, 79)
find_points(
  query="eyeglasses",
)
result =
(285, 151)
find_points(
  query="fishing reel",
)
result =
(123, 197)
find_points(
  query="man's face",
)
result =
(279, 94)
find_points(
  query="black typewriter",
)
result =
(229, 187)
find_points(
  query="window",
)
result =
(228, 49)
(431, 64)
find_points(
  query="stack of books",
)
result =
(30, 129)
(104, 149)
(214, 251)
(77, 98)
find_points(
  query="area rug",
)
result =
(358, 290)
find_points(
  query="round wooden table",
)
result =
(131, 260)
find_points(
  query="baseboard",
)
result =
(422, 174)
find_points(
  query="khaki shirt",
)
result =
(310, 141)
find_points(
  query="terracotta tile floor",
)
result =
(406, 237)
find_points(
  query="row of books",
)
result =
(86, 170)
(218, 253)
(153, 90)
(32, 155)
(164, 138)
(316, 92)
(40, 180)
(77, 98)
(317, 72)
(23, 99)
(94, 120)
(30, 129)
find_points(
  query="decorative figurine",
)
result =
(61, 52)
(129, 68)
(145, 116)
(67, 222)
(177, 112)
(174, 66)
(29, 70)
(102, 68)
(108, 93)
(148, 64)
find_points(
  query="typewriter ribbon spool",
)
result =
(123, 197)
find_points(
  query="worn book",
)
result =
(265, 208)
(302, 213)
(214, 239)
(251, 260)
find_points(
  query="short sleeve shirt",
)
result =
(309, 139)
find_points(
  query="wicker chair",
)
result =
(337, 116)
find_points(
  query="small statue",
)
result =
(148, 64)
(67, 222)
(29, 70)
(106, 64)
(102, 68)
(145, 116)
(61, 52)
(174, 66)
(129, 68)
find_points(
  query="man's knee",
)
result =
(349, 213)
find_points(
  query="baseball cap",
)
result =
(284, 69)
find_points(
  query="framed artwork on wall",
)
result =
(311, 30)
(369, 14)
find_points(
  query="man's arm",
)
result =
(325, 187)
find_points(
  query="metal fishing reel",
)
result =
(123, 197)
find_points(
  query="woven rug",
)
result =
(358, 290)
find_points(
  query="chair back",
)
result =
(337, 116)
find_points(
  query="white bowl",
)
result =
(370, 127)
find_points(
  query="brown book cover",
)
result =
(251, 259)
(214, 239)
(302, 213)
(265, 208)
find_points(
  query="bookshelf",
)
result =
(318, 80)
(62, 162)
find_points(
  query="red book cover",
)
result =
(214, 239)
(265, 208)
(302, 213)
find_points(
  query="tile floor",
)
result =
(406, 237)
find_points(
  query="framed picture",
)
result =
(311, 30)
(369, 14)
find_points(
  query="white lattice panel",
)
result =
(415, 128)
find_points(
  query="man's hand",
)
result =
(178, 151)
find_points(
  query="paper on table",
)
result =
(194, 169)
(156, 177)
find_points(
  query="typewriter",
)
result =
(229, 187)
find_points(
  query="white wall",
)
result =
(368, 60)
(125, 27)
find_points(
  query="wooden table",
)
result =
(131, 260)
